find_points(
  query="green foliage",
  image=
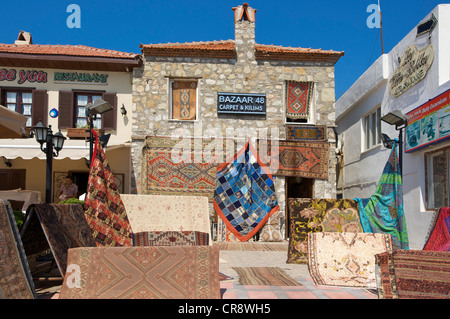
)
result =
(19, 217)
(72, 201)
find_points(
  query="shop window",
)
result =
(437, 178)
(72, 109)
(183, 100)
(299, 102)
(29, 102)
(371, 129)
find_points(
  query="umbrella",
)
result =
(12, 124)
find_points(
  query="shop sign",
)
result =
(75, 77)
(241, 103)
(413, 68)
(23, 76)
(429, 123)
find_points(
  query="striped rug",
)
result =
(252, 246)
(265, 276)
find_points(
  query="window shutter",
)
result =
(65, 117)
(39, 107)
(109, 119)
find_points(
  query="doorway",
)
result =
(297, 187)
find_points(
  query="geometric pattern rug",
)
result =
(318, 215)
(176, 272)
(252, 246)
(298, 99)
(296, 158)
(345, 259)
(266, 276)
(413, 274)
(15, 275)
(306, 133)
(171, 238)
(181, 167)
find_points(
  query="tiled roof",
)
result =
(69, 50)
(226, 49)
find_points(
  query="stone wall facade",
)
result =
(243, 74)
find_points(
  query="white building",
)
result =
(416, 71)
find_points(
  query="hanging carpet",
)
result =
(298, 95)
(244, 196)
(176, 272)
(345, 259)
(413, 274)
(306, 133)
(383, 211)
(58, 227)
(318, 215)
(295, 158)
(439, 238)
(15, 275)
(171, 238)
(105, 212)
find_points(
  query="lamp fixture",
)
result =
(387, 141)
(395, 118)
(123, 110)
(99, 106)
(427, 26)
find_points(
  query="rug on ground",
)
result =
(176, 272)
(63, 225)
(15, 275)
(345, 259)
(244, 196)
(266, 276)
(171, 238)
(383, 211)
(439, 238)
(105, 212)
(413, 274)
(318, 215)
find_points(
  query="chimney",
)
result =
(244, 33)
(24, 38)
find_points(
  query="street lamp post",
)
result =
(400, 121)
(53, 144)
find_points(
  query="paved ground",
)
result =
(307, 289)
(252, 258)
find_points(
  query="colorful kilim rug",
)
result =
(295, 158)
(439, 238)
(252, 246)
(105, 212)
(245, 195)
(345, 259)
(181, 167)
(223, 233)
(64, 227)
(306, 133)
(184, 96)
(383, 212)
(266, 276)
(171, 238)
(298, 96)
(15, 275)
(167, 213)
(413, 274)
(176, 272)
(318, 215)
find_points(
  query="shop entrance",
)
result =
(297, 187)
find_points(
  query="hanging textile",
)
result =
(184, 96)
(383, 211)
(439, 239)
(245, 196)
(298, 96)
(105, 211)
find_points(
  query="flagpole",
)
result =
(381, 28)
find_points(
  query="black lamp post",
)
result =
(99, 106)
(53, 144)
(400, 121)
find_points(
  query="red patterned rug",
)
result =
(413, 274)
(177, 272)
(439, 239)
(295, 158)
(105, 212)
(298, 99)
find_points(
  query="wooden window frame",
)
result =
(367, 129)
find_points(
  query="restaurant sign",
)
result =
(428, 123)
(414, 65)
(82, 78)
(241, 103)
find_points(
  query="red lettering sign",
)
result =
(24, 75)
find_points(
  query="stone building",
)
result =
(189, 89)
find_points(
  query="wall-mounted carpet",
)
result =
(413, 274)
(345, 259)
(318, 215)
(439, 237)
(295, 158)
(306, 133)
(176, 272)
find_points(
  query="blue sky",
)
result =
(123, 25)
